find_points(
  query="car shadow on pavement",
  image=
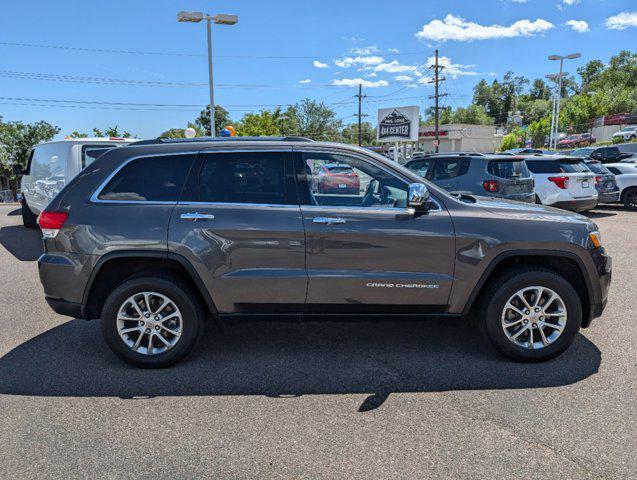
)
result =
(284, 359)
(23, 243)
(14, 213)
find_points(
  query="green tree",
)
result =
(17, 139)
(222, 119)
(315, 120)
(539, 131)
(473, 114)
(179, 132)
(510, 140)
(350, 133)
(107, 132)
(264, 123)
(539, 90)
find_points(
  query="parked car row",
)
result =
(562, 181)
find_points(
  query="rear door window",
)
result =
(149, 179)
(446, 169)
(420, 167)
(508, 169)
(244, 177)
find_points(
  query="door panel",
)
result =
(377, 258)
(250, 256)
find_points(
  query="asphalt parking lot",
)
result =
(315, 400)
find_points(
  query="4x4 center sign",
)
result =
(399, 124)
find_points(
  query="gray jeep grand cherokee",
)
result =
(155, 237)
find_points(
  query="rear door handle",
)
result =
(193, 217)
(328, 220)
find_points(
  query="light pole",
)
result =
(219, 19)
(561, 58)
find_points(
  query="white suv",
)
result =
(52, 165)
(563, 182)
(626, 133)
(626, 177)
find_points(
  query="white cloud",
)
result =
(393, 50)
(359, 61)
(404, 78)
(454, 70)
(457, 28)
(519, 1)
(372, 75)
(570, 2)
(364, 50)
(578, 25)
(353, 82)
(318, 64)
(307, 80)
(621, 21)
(395, 67)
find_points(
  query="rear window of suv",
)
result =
(508, 169)
(556, 166)
(149, 179)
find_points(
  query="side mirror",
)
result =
(17, 169)
(418, 196)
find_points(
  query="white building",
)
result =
(460, 137)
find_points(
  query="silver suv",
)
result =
(503, 176)
(155, 237)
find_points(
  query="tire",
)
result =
(492, 308)
(29, 219)
(629, 198)
(188, 308)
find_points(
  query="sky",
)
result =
(80, 64)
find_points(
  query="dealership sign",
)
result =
(398, 124)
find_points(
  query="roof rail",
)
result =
(161, 140)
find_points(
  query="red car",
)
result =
(336, 178)
(577, 140)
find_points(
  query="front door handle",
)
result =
(193, 217)
(328, 220)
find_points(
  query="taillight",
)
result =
(490, 185)
(598, 179)
(561, 182)
(51, 222)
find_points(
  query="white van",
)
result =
(53, 164)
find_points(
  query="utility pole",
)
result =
(360, 114)
(436, 96)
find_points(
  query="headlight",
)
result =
(596, 238)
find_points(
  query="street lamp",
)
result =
(219, 19)
(555, 118)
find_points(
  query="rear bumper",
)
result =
(62, 307)
(578, 205)
(609, 197)
(521, 197)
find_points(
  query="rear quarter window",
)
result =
(508, 169)
(149, 179)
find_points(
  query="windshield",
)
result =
(509, 169)
(582, 152)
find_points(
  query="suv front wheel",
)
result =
(151, 322)
(531, 314)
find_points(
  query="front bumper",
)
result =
(577, 205)
(603, 267)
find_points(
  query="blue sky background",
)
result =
(303, 31)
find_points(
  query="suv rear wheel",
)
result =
(151, 322)
(29, 219)
(531, 314)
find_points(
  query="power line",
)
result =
(185, 54)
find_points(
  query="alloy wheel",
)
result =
(534, 317)
(149, 323)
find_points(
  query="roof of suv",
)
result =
(486, 156)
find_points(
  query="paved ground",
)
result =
(317, 400)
